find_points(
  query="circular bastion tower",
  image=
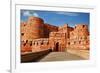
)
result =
(34, 28)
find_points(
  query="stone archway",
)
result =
(56, 47)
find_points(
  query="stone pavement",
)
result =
(60, 56)
(81, 53)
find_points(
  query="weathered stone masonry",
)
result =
(38, 36)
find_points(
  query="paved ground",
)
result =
(60, 56)
(81, 53)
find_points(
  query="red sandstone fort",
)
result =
(39, 36)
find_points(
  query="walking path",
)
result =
(60, 56)
(81, 53)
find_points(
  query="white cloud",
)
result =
(28, 13)
(68, 13)
(35, 14)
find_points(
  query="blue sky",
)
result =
(57, 18)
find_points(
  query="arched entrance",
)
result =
(56, 47)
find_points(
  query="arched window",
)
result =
(37, 43)
(30, 43)
(34, 43)
(68, 43)
(22, 34)
(24, 44)
(42, 43)
(47, 43)
(26, 41)
(74, 42)
(24, 25)
(79, 42)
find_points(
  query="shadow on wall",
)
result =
(34, 57)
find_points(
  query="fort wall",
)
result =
(79, 37)
(38, 36)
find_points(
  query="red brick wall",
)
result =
(79, 37)
(49, 28)
(52, 37)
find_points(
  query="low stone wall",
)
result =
(34, 57)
